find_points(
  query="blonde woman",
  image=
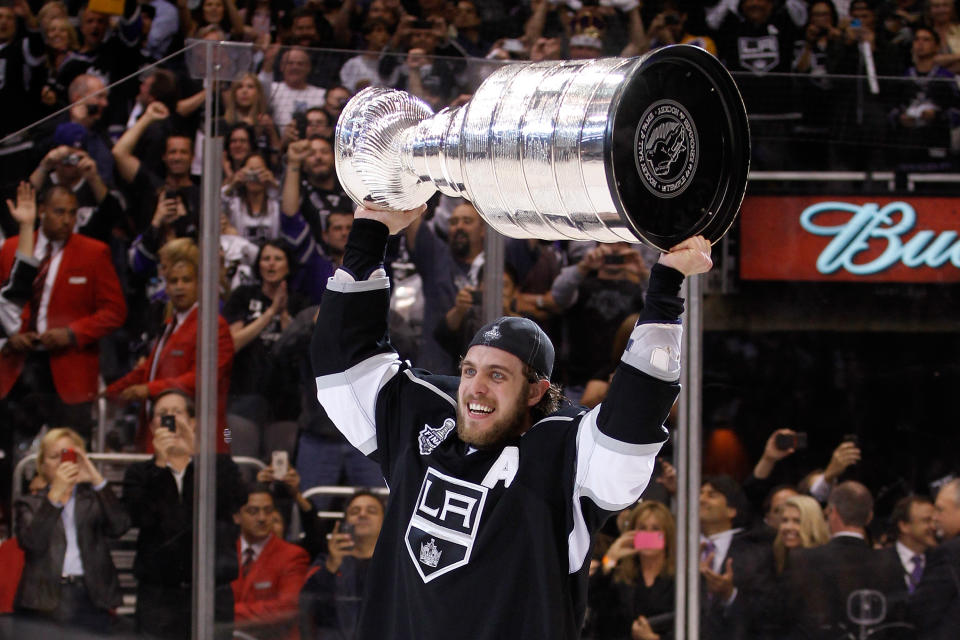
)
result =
(61, 45)
(637, 577)
(246, 103)
(801, 525)
(68, 575)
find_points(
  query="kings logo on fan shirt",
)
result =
(444, 524)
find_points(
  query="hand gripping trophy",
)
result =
(652, 149)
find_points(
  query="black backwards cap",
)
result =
(523, 338)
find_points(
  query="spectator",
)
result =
(252, 201)
(942, 17)
(801, 525)
(818, 53)
(158, 494)
(819, 580)
(318, 123)
(844, 456)
(464, 318)
(736, 571)
(20, 57)
(87, 95)
(272, 571)
(62, 44)
(68, 164)
(759, 44)
(599, 292)
(147, 188)
(68, 577)
(334, 102)
(222, 13)
(172, 363)
(446, 268)
(294, 94)
(240, 140)
(292, 508)
(636, 583)
(670, 27)
(927, 102)
(257, 315)
(331, 598)
(363, 70)
(431, 69)
(48, 371)
(247, 104)
(310, 186)
(915, 534)
(16, 290)
(164, 25)
(864, 29)
(935, 606)
(238, 256)
(315, 265)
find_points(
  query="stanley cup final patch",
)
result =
(667, 148)
(444, 524)
(431, 437)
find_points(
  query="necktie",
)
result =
(706, 548)
(917, 572)
(38, 283)
(247, 562)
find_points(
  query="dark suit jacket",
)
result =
(177, 369)
(819, 580)
(267, 596)
(86, 297)
(753, 578)
(99, 515)
(165, 543)
(935, 605)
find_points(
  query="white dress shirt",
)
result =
(55, 258)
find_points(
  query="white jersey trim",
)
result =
(349, 285)
(350, 398)
(432, 387)
(610, 473)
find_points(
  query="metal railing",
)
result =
(122, 458)
(339, 492)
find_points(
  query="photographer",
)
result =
(251, 201)
(670, 27)
(466, 315)
(330, 599)
(596, 295)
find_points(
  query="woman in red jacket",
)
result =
(172, 363)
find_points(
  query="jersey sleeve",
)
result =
(617, 441)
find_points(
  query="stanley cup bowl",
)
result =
(654, 149)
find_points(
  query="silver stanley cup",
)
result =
(653, 149)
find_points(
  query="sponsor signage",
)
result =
(850, 239)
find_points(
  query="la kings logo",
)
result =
(444, 524)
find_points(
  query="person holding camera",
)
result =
(670, 27)
(632, 593)
(69, 164)
(69, 579)
(158, 494)
(595, 295)
(330, 599)
(251, 201)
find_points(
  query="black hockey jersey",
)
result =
(484, 543)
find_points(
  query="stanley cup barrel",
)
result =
(653, 149)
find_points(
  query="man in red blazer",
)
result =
(272, 571)
(172, 363)
(49, 369)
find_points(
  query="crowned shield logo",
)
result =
(444, 524)
(667, 149)
(431, 437)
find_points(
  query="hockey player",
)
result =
(493, 504)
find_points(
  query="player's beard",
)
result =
(506, 427)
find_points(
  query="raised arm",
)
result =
(350, 351)
(128, 164)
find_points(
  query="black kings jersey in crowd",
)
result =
(492, 543)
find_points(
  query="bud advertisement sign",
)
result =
(850, 239)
